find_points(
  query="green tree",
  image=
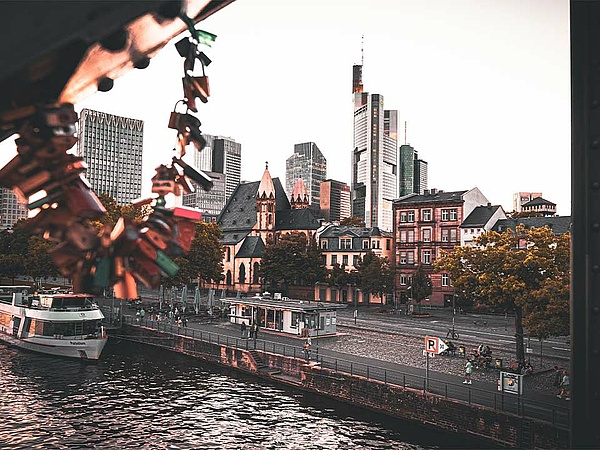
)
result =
(352, 221)
(525, 270)
(11, 265)
(420, 287)
(291, 261)
(38, 263)
(114, 211)
(206, 253)
(375, 275)
(338, 277)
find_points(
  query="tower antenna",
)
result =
(362, 50)
(405, 122)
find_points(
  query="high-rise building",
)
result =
(221, 159)
(11, 209)
(307, 162)
(374, 175)
(112, 147)
(335, 200)
(413, 172)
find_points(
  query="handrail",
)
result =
(506, 402)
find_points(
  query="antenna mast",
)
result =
(405, 132)
(362, 50)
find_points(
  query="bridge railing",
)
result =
(506, 402)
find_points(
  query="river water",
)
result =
(140, 397)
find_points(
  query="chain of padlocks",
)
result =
(62, 205)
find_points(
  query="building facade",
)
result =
(307, 162)
(211, 202)
(335, 200)
(520, 198)
(11, 209)
(481, 220)
(374, 177)
(111, 146)
(346, 246)
(413, 175)
(424, 226)
(540, 206)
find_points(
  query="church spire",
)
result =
(266, 189)
(299, 198)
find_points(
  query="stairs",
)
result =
(261, 366)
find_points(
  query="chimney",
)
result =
(426, 192)
(433, 191)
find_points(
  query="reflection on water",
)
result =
(138, 397)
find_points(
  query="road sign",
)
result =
(434, 345)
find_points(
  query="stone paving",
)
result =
(408, 350)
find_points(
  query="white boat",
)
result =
(57, 324)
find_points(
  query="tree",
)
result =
(525, 270)
(114, 211)
(338, 277)
(206, 253)
(11, 265)
(291, 261)
(375, 275)
(352, 221)
(38, 263)
(420, 287)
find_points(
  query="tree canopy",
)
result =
(375, 275)
(292, 261)
(420, 287)
(524, 270)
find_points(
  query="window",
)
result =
(410, 216)
(387, 244)
(324, 244)
(355, 260)
(365, 244)
(445, 279)
(427, 235)
(453, 214)
(444, 235)
(426, 215)
(403, 279)
(426, 257)
(403, 235)
(410, 258)
(445, 215)
(333, 260)
(411, 235)
(345, 243)
(453, 235)
(402, 257)
(403, 216)
(345, 260)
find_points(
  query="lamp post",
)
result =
(453, 312)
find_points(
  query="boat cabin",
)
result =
(299, 317)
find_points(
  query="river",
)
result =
(140, 397)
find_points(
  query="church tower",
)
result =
(299, 198)
(265, 204)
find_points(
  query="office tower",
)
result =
(413, 172)
(221, 159)
(374, 159)
(11, 209)
(112, 147)
(335, 200)
(307, 162)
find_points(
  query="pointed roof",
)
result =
(480, 216)
(299, 193)
(266, 188)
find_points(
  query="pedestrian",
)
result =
(557, 378)
(255, 330)
(251, 330)
(243, 329)
(564, 387)
(468, 371)
(184, 321)
(307, 350)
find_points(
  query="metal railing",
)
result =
(501, 401)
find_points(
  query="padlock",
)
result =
(126, 288)
(102, 271)
(185, 233)
(184, 212)
(166, 264)
(82, 237)
(82, 201)
(146, 272)
(154, 237)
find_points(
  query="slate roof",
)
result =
(296, 219)
(253, 247)
(538, 201)
(342, 230)
(479, 216)
(437, 197)
(559, 224)
(233, 237)
(240, 211)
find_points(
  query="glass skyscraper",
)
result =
(307, 162)
(11, 209)
(112, 148)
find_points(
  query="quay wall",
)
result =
(497, 428)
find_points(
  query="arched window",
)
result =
(228, 253)
(242, 272)
(255, 273)
(228, 278)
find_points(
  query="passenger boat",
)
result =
(57, 324)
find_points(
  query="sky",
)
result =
(482, 85)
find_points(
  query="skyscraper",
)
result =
(413, 172)
(374, 175)
(335, 200)
(221, 159)
(112, 147)
(307, 162)
(11, 209)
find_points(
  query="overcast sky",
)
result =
(482, 84)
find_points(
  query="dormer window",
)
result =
(345, 243)
(323, 245)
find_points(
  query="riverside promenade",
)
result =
(327, 355)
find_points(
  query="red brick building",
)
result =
(424, 225)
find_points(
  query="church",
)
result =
(256, 215)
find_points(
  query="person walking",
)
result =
(307, 350)
(564, 386)
(243, 329)
(468, 371)
(255, 330)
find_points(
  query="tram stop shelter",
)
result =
(299, 317)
